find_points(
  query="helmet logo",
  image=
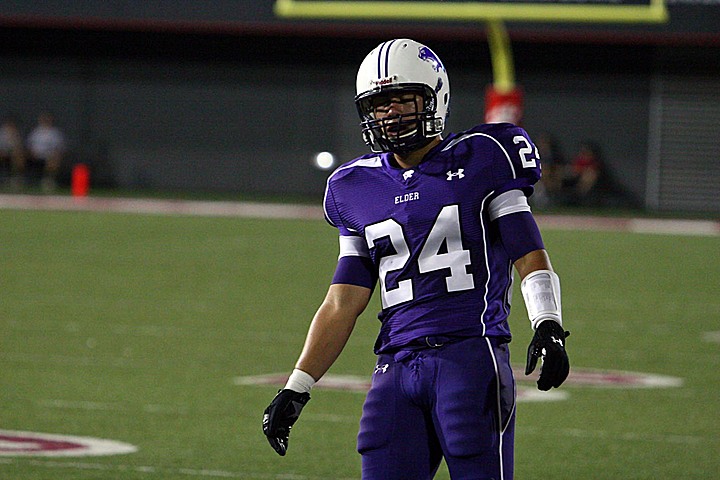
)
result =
(384, 81)
(427, 55)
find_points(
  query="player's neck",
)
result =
(414, 158)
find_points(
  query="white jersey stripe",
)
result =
(353, 247)
(501, 430)
(512, 201)
(487, 263)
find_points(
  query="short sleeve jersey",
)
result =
(429, 233)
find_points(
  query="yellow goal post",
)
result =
(494, 13)
(574, 11)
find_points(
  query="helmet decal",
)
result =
(429, 56)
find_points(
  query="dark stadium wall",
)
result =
(254, 126)
(241, 105)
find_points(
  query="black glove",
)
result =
(549, 343)
(280, 416)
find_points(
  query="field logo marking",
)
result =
(15, 443)
(579, 377)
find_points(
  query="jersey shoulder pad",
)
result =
(332, 202)
(346, 169)
(516, 162)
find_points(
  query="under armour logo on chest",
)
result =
(458, 174)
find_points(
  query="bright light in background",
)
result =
(324, 161)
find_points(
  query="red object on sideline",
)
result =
(80, 181)
(503, 106)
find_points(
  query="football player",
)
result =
(439, 223)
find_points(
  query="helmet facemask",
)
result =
(402, 133)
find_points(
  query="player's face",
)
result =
(397, 111)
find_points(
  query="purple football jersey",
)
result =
(428, 231)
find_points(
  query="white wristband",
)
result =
(300, 381)
(541, 291)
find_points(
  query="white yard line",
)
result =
(713, 337)
(620, 436)
(150, 408)
(308, 212)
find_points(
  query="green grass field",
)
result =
(134, 327)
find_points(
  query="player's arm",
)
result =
(541, 291)
(346, 299)
(331, 328)
(329, 331)
(540, 286)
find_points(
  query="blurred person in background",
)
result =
(554, 166)
(12, 152)
(46, 146)
(585, 173)
(439, 223)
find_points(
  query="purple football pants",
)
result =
(455, 401)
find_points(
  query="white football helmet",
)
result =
(394, 68)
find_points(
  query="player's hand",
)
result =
(280, 416)
(549, 343)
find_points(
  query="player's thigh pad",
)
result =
(379, 408)
(475, 398)
(395, 438)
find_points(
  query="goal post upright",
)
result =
(501, 55)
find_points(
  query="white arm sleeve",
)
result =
(512, 201)
(541, 292)
(353, 247)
